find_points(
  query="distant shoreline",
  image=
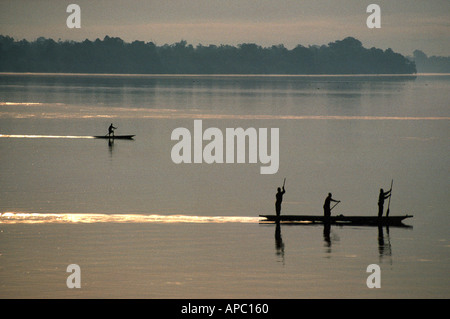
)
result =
(115, 56)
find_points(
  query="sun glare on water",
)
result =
(39, 218)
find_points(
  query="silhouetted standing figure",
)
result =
(383, 195)
(111, 129)
(326, 206)
(279, 197)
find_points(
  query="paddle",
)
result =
(389, 203)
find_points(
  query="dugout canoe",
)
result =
(339, 220)
(116, 137)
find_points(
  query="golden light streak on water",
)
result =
(68, 218)
(20, 103)
(44, 136)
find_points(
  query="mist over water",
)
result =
(61, 190)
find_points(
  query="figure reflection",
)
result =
(111, 146)
(384, 243)
(326, 236)
(279, 245)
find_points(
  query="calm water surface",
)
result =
(141, 226)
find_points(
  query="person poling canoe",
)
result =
(111, 136)
(383, 195)
(326, 205)
(111, 129)
(279, 199)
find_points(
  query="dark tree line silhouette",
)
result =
(113, 55)
(433, 64)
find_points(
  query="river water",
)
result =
(141, 226)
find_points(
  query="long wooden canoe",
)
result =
(116, 137)
(340, 219)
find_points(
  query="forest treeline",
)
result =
(432, 64)
(113, 55)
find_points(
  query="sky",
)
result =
(406, 25)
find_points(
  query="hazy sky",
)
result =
(406, 25)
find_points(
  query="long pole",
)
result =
(334, 206)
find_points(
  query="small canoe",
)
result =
(339, 220)
(117, 137)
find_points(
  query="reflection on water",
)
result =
(38, 218)
(111, 146)
(384, 242)
(279, 245)
(326, 236)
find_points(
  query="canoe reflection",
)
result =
(383, 239)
